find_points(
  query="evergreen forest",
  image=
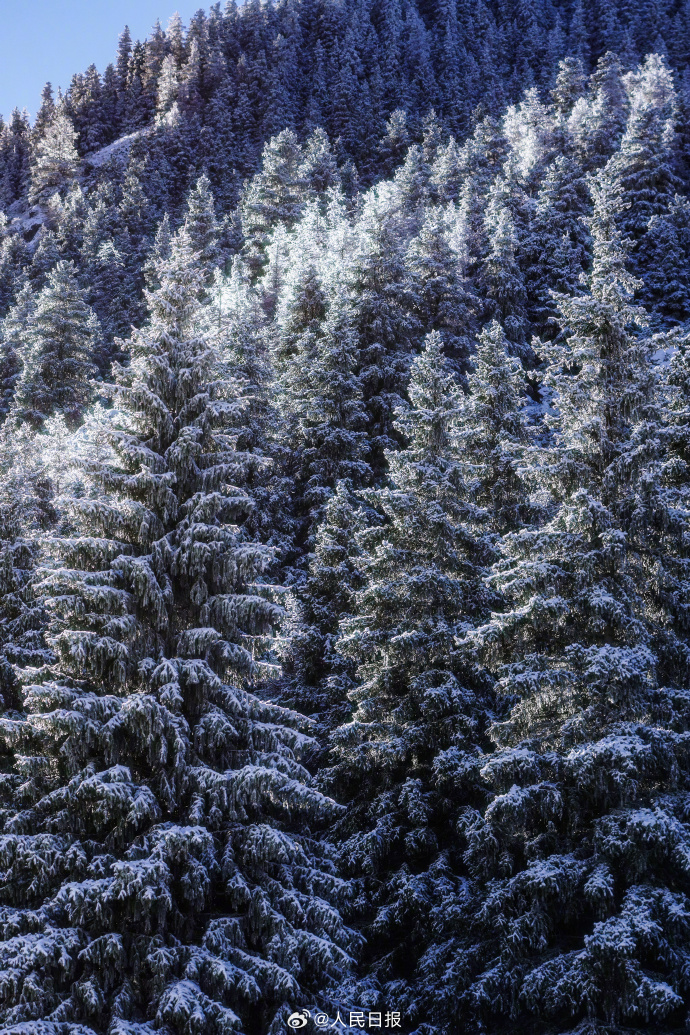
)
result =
(345, 525)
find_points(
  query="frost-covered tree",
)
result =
(557, 241)
(494, 433)
(384, 321)
(316, 676)
(665, 257)
(579, 916)
(501, 277)
(443, 298)
(597, 121)
(644, 162)
(321, 398)
(417, 704)
(57, 354)
(111, 297)
(646, 167)
(158, 829)
(160, 251)
(15, 158)
(54, 166)
(202, 226)
(275, 197)
(14, 328)
(26, 511)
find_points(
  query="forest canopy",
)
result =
(344, 525)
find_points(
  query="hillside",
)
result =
(344, 526)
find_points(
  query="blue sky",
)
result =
(49, 40)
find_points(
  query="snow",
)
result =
(118, 151)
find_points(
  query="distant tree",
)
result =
(55, 161)
(12, 346)
(57, 353)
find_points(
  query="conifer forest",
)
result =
(345, 526)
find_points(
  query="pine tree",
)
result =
(415, 699)
(26, 511)
(597, 122)
(87, 113)
(111, 300)
(160, 857)
(322, 400)
(44, 259)
(319, 169)
(45, 113)
(665, 257)
(501, 276)
(273, 198)
(168, 87)
(122, 70)
(55, 163)
(494, 433)
(446, 303)
(385, 323)
(14, 159)
(14, 328)
(316, 678)
(570, 85)
(644, 163)
(202, 226)
(556, 246)
(13, 260)
(58, 353)
(160, 252)
(394, 143)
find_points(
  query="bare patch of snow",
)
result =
(116, 151)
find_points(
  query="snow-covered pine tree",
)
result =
(443, 298)
(494, 434)
(55, 158)
(384, 321)
(644, 162)
(580, 915)
(316, 678)
(569, 86)
(501, 278)
(597, 120)
(646, 165)
(57, 354)
(27, 490)
(162, 869)
(666, 259)
(14, 158)
(274, 197)
(556, 241)
(44, 259)
(14, 328)
(202, 226)
(242, 332)
(324, 432)
(160, 251)
(320, 397)
(111, 298)
(415, 698)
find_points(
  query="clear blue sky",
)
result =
(49, 40)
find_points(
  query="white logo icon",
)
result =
(298, 1020)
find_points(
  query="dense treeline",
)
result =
(344, 549)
